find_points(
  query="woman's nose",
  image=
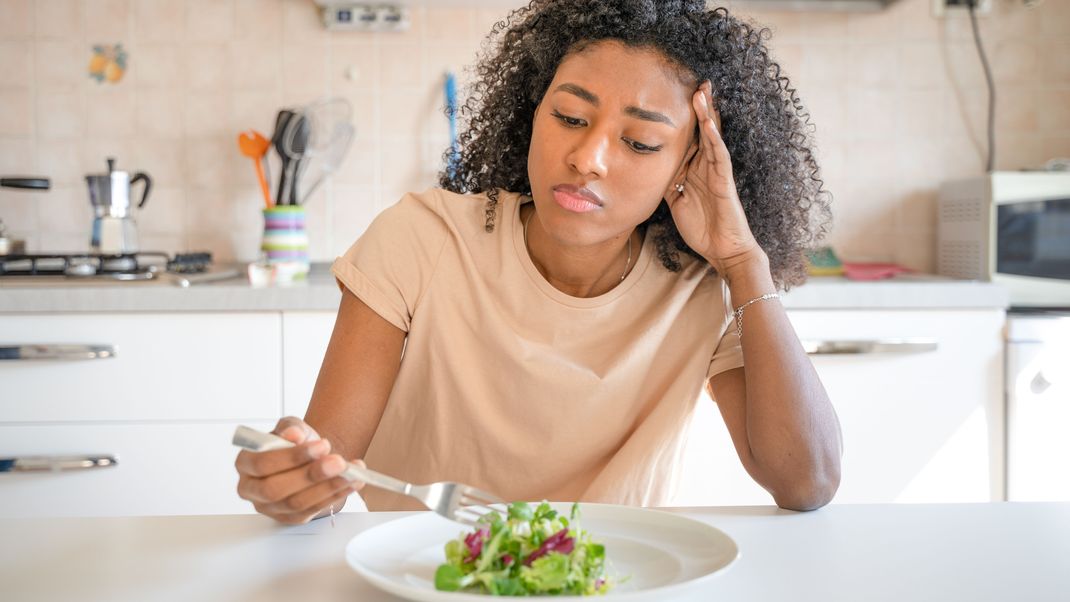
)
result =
(589, 155)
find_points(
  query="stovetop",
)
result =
(130, 266)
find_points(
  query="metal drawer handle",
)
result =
(56, 352)
(866, 347)
(56, 463)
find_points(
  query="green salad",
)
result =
(532, 552)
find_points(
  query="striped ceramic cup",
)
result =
(285, 237)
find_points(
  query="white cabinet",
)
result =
(921, 426)
(174, 366)
(165, 405)
(305, 335)
(163, 469)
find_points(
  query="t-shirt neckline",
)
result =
(516, 226)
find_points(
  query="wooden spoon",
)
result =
(254, 145)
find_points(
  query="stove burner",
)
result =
(131, 266)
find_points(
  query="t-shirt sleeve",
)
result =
(729, 353)
(391, 265)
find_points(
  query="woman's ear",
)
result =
(681, 172)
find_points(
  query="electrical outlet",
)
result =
(942, 7)
(340, 15)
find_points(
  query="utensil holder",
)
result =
(285, 239)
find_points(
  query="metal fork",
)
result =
(456, 501)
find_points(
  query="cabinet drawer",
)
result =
(918, 425)
(180, 366)
(162, 469)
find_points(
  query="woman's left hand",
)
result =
(708, 213)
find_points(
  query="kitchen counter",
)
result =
(320, 293)
(976, 552)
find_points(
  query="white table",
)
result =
(968, 552)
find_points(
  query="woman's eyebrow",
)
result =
(636, 112)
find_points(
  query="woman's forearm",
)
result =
(792, 429)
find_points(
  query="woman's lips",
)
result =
(573, 199)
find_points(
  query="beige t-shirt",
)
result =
(510, 385)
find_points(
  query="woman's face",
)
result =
(608, 141)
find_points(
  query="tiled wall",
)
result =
(897, 97)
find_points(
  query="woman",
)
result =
(596, 255)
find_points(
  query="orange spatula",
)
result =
(254, 145)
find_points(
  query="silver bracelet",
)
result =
(739, 311)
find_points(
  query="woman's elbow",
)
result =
(810, 493)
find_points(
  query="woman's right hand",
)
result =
(295, 484)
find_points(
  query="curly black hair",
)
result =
(764, 125)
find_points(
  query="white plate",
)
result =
(665, 554)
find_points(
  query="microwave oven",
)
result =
(1012, 228)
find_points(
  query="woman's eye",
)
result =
(641, 148)
(571, 122)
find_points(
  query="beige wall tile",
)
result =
(18, 210)
(1054, 18)
(870, 28)
(916, 22)
(17, 154)
(65, 209)
(61, 63)
(353, 210)
(62, 242)
(16, 19)
(207, 66)
(96, 150)
(256, 64)
(922, 64)
(450, 24)
(16, 64)
(60, 19)
(210, 20)
(873, 65)
(921, 113)
(61, 161)
(353, 65)
(1054, 63)
(159, 65)
(111, 112)
(304, 67)
(1019, 151)
(254, 109)
(206, 161)
(163, 160)
(1056, 147)
(822, 64)
(404, 112)
(1015, 62)
(108, 21)
(402, 65)
(159, 114)
(61, 113)
(207, 113)
(301, 22)
(17, 117)
(1056, 113)
(164, 212)
(256, 20)
(871, 113)
(159, 20)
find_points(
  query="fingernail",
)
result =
(319, 448)
(292, 433)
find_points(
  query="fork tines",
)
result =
(474, 504)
